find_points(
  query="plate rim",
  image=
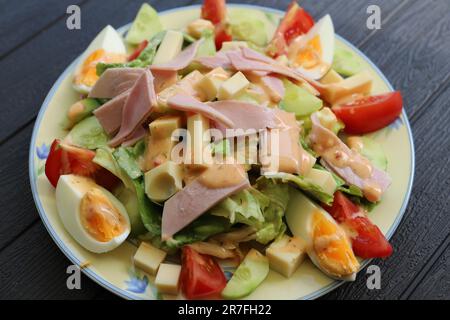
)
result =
(126, 294)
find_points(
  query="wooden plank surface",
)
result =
(412, 52)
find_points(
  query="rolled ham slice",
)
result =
(109, 115)
(220, 60)
(241, 63)
(246, 115)
(137, 135)
(373, 184)
(189, 104)
(137, 108)
(196, 199)
(181, 61)
(274, 87)
(114, 82)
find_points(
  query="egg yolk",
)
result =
(88, 73)
(332, 247)
(310, 55)
(99, 217)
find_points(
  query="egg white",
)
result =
(324, 28)
(109, 40)
(69, 192)
(299, 217)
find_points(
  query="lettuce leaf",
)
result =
(144, 60)
(310, 188)
(127, 160)
(262, 209)
(151, 213)
(104, 157)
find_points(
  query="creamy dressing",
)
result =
(336, 153)
(223, 175)
(292, 158)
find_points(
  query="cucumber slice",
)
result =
(299, 100)
(145, 25)
(373, 151)
(248, 276)
(89, 134)
(346, 63)
(250, 25)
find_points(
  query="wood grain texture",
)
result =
(19, 23)
(412, 52)
(32, 268)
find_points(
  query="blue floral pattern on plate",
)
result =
(137, 284)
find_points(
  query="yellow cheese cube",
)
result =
(211, 82)
(170, 47)
(186, 86)
(233, 86)
(167, 279)
(233, 45)
(160, 143)
(359, 84)
(331, 77)
(163, 181)
(286, 254)
(199, 138)
(148, 258)
(322, 178)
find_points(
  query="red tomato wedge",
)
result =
(370, 114)
(221, 36)
(68, 159)
(214, 11)
(367, 239)
(138, 50)
(201, 276)
(296, 22)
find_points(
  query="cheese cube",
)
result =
(359, 84)
(197, 27)
(322, 178)
(148, 258)
(211, 82)
(167, 279)
(233, 45)
(198, 139)
(233, 86)
(286, 254)
(170, 47)
(186, 86)
(331, 77)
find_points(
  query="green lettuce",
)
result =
(127, 160)
(307, 186)
(104, 157)
(144, 60)
(262, 209)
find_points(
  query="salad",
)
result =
(239, 139)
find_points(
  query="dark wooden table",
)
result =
(412, 49)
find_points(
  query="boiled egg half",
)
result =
(107, 47)
(328, 246)
(312, 54)
(91, 214)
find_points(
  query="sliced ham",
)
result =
(115, 81)
(274, 87)
(181, 61)
(348, 164)
(164, 79)
(246, 115)
(109, 115)
(241, 63)
(255, 55)
(196, 199)
(189, 104)
(137, 135)
(220, 60)
(137, 108)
